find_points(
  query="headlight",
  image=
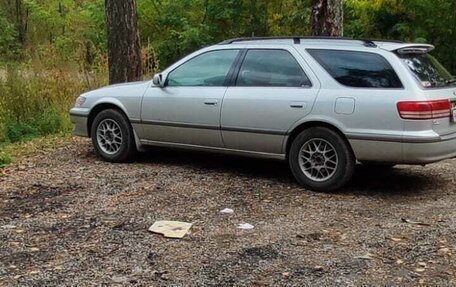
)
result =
(79, 102)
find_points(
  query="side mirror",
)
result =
(158, 80)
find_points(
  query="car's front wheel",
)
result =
(112, 136)
(321, 160)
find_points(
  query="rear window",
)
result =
(357, 69)
(428, 71)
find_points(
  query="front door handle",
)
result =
(211, 102)
(298, 105)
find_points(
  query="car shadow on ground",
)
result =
(366, 181)
(398, 181)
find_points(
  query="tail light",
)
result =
(425, 110)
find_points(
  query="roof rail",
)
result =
(297, 39)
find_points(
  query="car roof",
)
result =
(388, 45)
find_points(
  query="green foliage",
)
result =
(58, 47)
(17, 131)
(74, 30)
(35, 100)
(47, 123)
(5, 159)
(422, 21)
(9, 47)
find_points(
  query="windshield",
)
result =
(429, 72)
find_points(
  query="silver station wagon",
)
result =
(322, 104)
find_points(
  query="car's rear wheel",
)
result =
(112, 136)
(321, 160)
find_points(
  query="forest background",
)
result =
(53, 50)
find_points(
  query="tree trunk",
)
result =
(21, 22)
(327, 18)
(124, 47)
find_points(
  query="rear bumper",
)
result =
(413, 150)
(422, 153)
(79, 117)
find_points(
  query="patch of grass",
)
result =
(5, 159)
(18, 131)
(47, 123)
(12, 151)
(35, 99)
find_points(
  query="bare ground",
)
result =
(68, 219)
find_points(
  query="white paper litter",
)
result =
(171, 229)
(245, 226)
(227, 211)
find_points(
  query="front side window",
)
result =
(357, 69)
(428, 71)
(271, 68)
(208, 69)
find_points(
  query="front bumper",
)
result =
(79, 117)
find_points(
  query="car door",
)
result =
(187, 109)
(271, 92)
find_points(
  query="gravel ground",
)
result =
(68, 219)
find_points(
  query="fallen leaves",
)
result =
(444, 251)
(9, 226)
(316, 235)
(367, 256)
(395, 239)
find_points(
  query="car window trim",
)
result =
(206, 52)
(325, 68)
(235, 80)
(234, 71)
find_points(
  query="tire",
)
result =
(336, 175)
(109, 146)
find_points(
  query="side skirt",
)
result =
(215, 149)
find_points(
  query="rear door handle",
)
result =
(298, 105)
(211, 102)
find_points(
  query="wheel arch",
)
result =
(311, 124)
(99, 107)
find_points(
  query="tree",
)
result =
(21, 21)
(327, 18)
(124, 47)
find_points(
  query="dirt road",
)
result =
(68, 219)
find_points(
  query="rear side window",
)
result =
(271, 68)
(357, 69)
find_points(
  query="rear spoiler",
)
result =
(407, 48)
(416, 49)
